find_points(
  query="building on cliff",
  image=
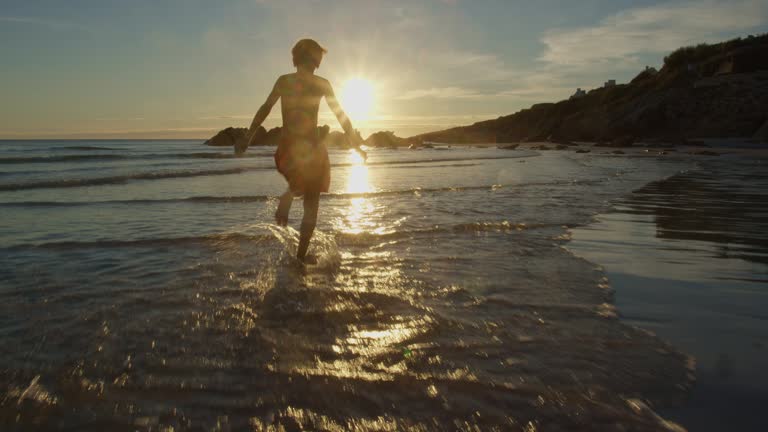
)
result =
(609, 83)
(579, 93)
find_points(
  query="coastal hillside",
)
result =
(718, 90)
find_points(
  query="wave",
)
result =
(344, 238)
(111, 243)
(472, 228)
(63, 158)
(100, 181)
(258, 198)
(246, 198)
(83, 148)
(418, 161)
(201, 155)
(113, 157)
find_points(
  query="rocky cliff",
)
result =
(718, 90)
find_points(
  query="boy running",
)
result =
(301, 157)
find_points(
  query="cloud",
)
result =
(526, 89)
(42, 22)
(439, 93)
(654, 29)
(473, 66)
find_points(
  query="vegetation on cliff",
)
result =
(718, 90)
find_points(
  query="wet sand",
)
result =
(688, 259)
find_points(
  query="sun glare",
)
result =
(356, 98)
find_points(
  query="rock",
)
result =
(540, 147)
(239, 138)
(558, 140)
(692, 143)
(761, 135)
(582, 151)
(336, 139)
(660, 145)
(272, 138)
(624, 141)
(706, 153)
(386, 139)
(618, 152)
(417, 146)
(561, 147)
(508, 146)
(322, 132)
(230, 137)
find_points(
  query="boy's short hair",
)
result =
(307, 52)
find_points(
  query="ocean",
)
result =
(144, 286)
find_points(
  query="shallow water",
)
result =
(688, 257)
(145, 288)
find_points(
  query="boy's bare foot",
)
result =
(281, 218)
(308, 259)
(283, 208)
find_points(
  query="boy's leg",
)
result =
(283, 208)
(311, 204)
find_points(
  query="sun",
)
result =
(356, 98)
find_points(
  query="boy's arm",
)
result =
(352, 135)
(263, 111)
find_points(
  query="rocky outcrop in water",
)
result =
(762, 134)
(386, 139)
(238, 138)
(712, 91)
(228, 137)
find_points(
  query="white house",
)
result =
(579, 93)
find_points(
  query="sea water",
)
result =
(144, 286)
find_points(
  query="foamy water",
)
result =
(144, 287)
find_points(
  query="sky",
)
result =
(187, 68)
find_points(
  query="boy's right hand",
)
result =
(362, 154)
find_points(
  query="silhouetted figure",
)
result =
(301, 156)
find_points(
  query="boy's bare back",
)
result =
(300, 95)
(300, 102)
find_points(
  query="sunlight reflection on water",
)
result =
(360, 216)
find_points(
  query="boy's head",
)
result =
(307, 52)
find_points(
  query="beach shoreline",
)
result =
(667, 273)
